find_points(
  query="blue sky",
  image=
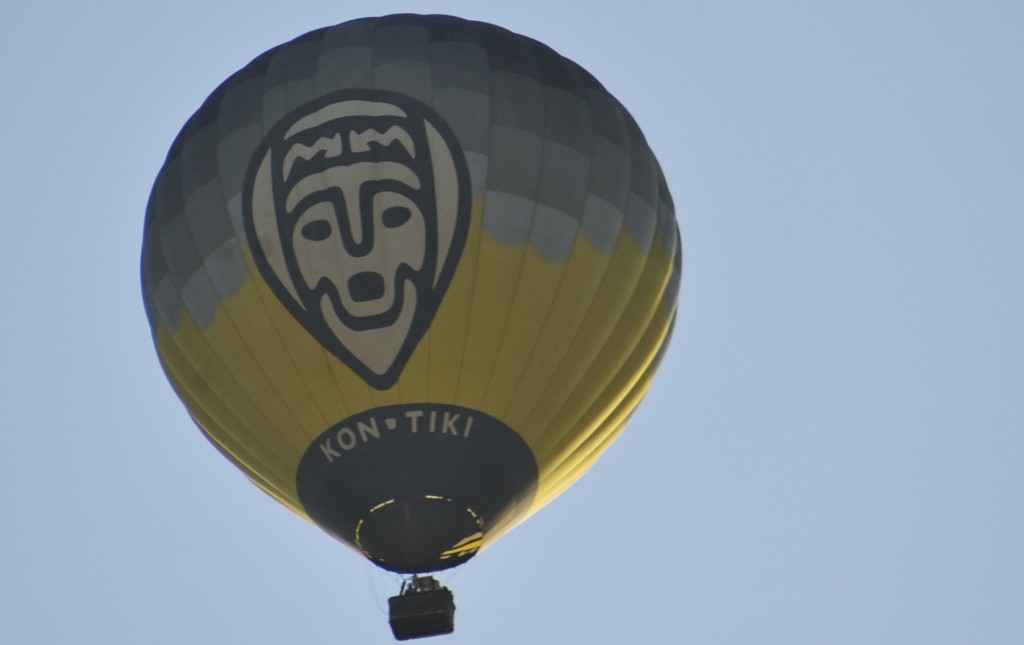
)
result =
(832, 450)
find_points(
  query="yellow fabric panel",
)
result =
(266, 386)
(524, 320)
(415, 380)
(563, 477)
(584, 449)
(227, 419)
(610, 334)
(243, 417)
(357, 394)
(568, 422)
(586, 347)
(286, 497)
(565, 314)
(308, 368)
(254, 353)
(446, 339)
(379, 398)
(574, 449)
(494, 289)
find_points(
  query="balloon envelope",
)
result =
(411, 275)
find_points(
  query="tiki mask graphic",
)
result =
(356, 208)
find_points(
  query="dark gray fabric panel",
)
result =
(563, 180)
(460, 64)
(515, 161)
(401, 61)
(468, 113)
(239, 131)
(554, 150)
(517, 102)
(643, 197)
(289, 81)
(346, 57)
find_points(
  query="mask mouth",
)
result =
(366, 286)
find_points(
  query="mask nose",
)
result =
(366, 286)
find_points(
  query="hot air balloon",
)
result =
(411, 275)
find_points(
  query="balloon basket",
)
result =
(422, 608)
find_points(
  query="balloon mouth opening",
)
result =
(419, 535)
(417, 487)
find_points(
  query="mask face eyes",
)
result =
(400, 232)
(395, 216)
(317, 230)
